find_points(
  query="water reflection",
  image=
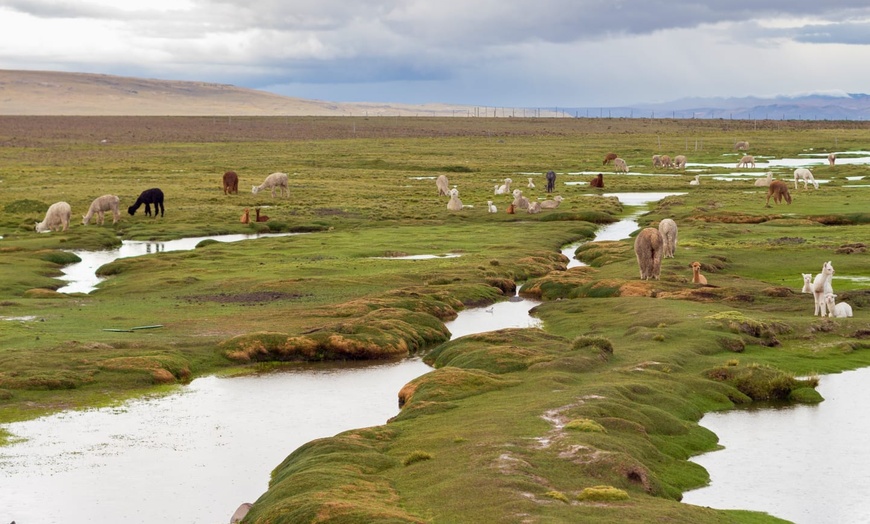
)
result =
(807, 464)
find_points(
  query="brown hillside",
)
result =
(58, 93)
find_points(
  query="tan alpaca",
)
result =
(697, 277)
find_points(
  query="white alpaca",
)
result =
(839, 310)
(56, 218)
(505, 188)
(102, 204)
(620, 166)
(454, 204)
(747, 161)
(696, 182)
(552, 204)
(272, 181)
(490, 207)
(534, 207)
(764, 182)
(668, 229)
(520, 202)
(832, 158)
(806, 175)
(808, 283)
(531, 184)
(443, 185)
(822, 285)
(680, 161)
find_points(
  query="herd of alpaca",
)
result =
(519, 201)
(824, 299)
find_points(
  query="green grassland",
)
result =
(590, 419)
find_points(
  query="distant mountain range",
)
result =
(61, 93)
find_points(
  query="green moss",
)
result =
(602, 494)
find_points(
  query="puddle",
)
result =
(419, 257)
(502, 315)
(28, 318)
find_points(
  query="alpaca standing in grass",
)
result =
(821, 286)
(551, 181)
(620, 166)
(741, 146)
(102, 204)
(279, 180)
(442, 185)
(697, 277)
(779, 191)
(648, 248)
(680, 161)
(666, 161)
(657, 160)
(747, 161)
(806, 175)
(609, 157)
(148, 197)
(668, 229)
(231, 182)
(832, 159)
(56, 218)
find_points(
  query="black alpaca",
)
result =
(148, 197)
(551, 181)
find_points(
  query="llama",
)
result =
(697, 277)
(259, 217)
(822, 285)
(598, 181)
(531, 183)
(806, 175)
(668, 229)
(520, 202)
(534, 208)
(551, 181)
(454, 204)
(148, 197)
(505, 188)
(552, 204)
(231, 182)
(779, 191)
(102, 204)
(609, 157)
(442, 185)
(741, 146)
(808, 282)
(620, 166)
(490, 207)
(666, 161)
(838, 309)
(680, 161)
(832, 158)
(272, 181)
(764, 182)
(56, 218)
(657, 160)
(246, 217)
(696, 181)
(648, 247)
(747, 161)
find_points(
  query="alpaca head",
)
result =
(517, 193)
(696, 266)
(454, 192)
(558, 198)
(830, 299)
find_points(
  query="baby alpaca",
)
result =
(454, 204)
(696, 182)
(839, 310)
(531, 184)
(490, 207)
(697, 277)
(246, 217)
(808, 283)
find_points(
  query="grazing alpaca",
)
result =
(231, 182)
(696, 182)
(680, 161)
(808, 282)
(839, 310)
(609, 157)
(551, 181)
(598, 181)
(454, 204)
(272, 181)
(443, 185)
(552, 204)
(832, 158)
(668, 229)
(666, 161)
(520, 202)
(490, 207)
(246, 217)
(764, 182)
(620, 166)
(56, 218)
(806, 175)
(741, 146)
(531, 184)
(648, 247)
(697, 277)
(747, 161)
(148, 197)
(821, 286)
(534, 207)
(259, 217)
(102, 204)
(657, 160)
(505, 188)
(778, 190)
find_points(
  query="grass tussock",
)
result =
(602, 494)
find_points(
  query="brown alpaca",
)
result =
(231, 182)
(778, 190)
(246, 217)
(609, 157)
(511, 209)
(649, 247)
(697, 277)
(260, 218)
(598, 181)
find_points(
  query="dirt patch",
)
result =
(256, 297)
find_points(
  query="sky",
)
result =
(496, 53)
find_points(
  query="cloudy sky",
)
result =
(506, 53)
